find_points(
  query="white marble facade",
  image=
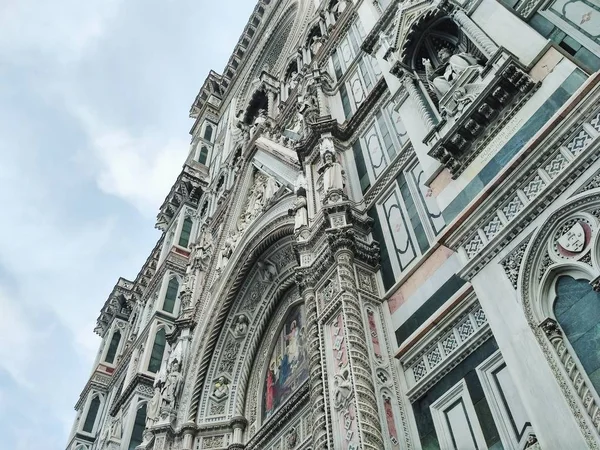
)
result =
(385, 236)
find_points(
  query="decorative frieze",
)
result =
(442, 348)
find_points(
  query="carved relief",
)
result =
(341, 389)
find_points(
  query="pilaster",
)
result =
(523, 356)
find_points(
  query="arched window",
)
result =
(186, 230)
(171, 295)
(112, 348)
(577, 310)
(90, 419)
(157, 351)
(203, 156)
(138, 428)
(208, 132)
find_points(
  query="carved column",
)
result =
(473, 32)
(271, 99)
(365, 402)
(317, 398)
(416, 96)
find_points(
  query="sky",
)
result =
(94, 102)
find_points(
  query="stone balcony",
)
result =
(475, 108)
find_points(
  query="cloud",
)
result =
(138, 169)
(18, 340)
(62, 30)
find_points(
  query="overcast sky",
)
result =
(94, 101)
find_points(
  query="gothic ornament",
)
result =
(573, 240)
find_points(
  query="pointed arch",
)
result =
(274, 226)
(158, 350)
(543, 266)
(115, 340)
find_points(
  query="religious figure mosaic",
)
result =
(288, 365)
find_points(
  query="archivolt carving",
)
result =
(234, 353)
(537, 297)
(255, 242)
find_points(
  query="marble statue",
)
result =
(442, 78)
(333, 173)
(300, 212)
(153, 408)
(171, 386)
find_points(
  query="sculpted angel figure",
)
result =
(442, 78)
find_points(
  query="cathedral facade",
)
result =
(386, 235)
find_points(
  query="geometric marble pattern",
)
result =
(579, 142)
(533, 188)
(419, 370)
(434, 357)
(556, 165)
(479, 317)
(448, 342)
(492, 228)
(512, 208)
(473, 246)
(595, 122)
(465, 329)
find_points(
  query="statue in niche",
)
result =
(116, 429)
(294, 78)
(153, 408)
(244, 132)
(171, 385)
(299, 212)
(227, 251)
(203, 250)
(221, 389)
(442, 78)
(316, 44)
(332, 170)
(271, 189)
